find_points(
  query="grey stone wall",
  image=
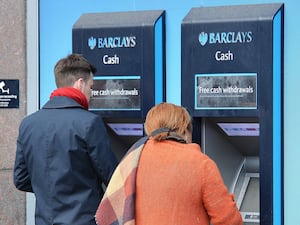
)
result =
(12, 66)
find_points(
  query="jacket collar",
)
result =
(59, 102)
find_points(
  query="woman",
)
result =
(173, 181)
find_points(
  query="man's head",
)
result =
(75, 71)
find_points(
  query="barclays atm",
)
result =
(128, 50)
(232, 81)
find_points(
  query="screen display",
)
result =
(116, 93)
(127, 129)
(225, 91)
(240, 129)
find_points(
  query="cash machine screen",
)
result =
(116, 93)
(127, 129)
(225, 91)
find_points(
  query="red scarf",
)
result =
(72, 93)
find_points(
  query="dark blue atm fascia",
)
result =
(145, 60)
(254, 57)
(262, 56)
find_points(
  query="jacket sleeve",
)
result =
(102, 157)
(21, 177)
(220, 204)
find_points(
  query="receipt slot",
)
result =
(232, 72)
(128, 50)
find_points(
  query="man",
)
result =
(63, 154)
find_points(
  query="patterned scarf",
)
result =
(73, 93)
(118, 204)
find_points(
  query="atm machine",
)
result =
(232, 81)
(128, 50)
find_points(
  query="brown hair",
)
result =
(174, 118)
(72, 68)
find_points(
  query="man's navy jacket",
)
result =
(63, 155)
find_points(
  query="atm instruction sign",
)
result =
(116, 93)
(226, 91)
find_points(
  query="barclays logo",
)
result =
(225, 37)
(92, 42)
(112, 42)
(203, 37)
